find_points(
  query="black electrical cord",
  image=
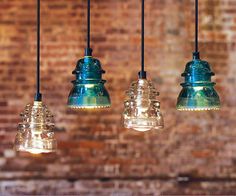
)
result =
(142, 26)
(142, 73)
(38, 96)
(196, 52)
(88, 25)
(196, 25)
(88, 50)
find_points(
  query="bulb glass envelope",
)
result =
(198, 91)
(142, 110)
(35, 132)
(88, 89)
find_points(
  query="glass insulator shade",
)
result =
(198, 93)
(142, 110)
(88, 89)
(35, 132)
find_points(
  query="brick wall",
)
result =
(96, 156)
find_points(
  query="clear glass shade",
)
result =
(35, 132)
(142, 109)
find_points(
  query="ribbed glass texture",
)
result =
(35, 132)
(88, 89)
(142, 110)
(198, 91)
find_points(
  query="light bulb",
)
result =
(142, 110)
(35, 133)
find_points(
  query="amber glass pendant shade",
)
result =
(36, 131)
(142, 109)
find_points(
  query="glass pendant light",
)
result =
(35, 132)
(198, 91)
(88, 89)
(142, 109)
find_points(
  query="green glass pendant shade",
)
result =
(198, 91)
(88, 89)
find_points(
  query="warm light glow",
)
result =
(34, 151)
(38, 151)
(142, 129)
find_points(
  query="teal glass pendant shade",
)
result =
(88, 89)
(198, 91)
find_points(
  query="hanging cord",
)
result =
(88, 25)
(88, 50)
(142, 73)
(196, 53)
(38, 96)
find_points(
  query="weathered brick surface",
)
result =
(92, 144)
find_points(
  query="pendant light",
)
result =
(198, 91)
(35, 132)
(141, 108)
(88, 90)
